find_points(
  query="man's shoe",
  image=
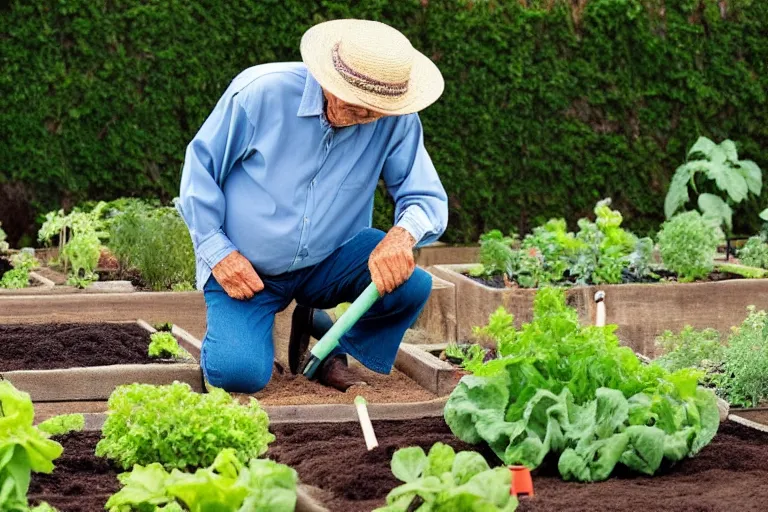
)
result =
(305, 323)
(335, 373)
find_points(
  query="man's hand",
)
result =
(391, 262)
(238, 278)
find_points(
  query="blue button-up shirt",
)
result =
(267, 175)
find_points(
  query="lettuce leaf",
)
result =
(63, 424)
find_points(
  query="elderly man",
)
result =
(277, 191)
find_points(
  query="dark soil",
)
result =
(81, 481)
(729, 474)
(50, 346)
(5, 266)
(627, 278)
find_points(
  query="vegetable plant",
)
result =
(178, 428)
(23, 448)
(688, 245)
(691, 348)
(574, 391)
(754, 253)
(18, 277)
(446, 481)
(63, 424)
(3, 244)
(735, 179)
(745, 381)
(164, 345)
(228, 485)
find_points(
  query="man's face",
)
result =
(341, 114)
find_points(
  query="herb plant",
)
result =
(63, 424)
(164, 345)
(228, 485)
(178, 428)
(3, 244)
(745, 380)
(446, 481)
(688, 245)
(574, 391)
(23, 448)
(691, 349)
(719, 163)
(754, 253)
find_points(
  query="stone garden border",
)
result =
(98, 382)
(642, 311)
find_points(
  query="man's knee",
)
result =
(416, 290)
(237, 373)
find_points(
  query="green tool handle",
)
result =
(345, 322)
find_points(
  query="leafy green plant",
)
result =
(63, 424)
(43, 507)
(164, 345)
(467, 356)
(228, 485)
(745, 381)
(3, 244)
(178, 428)
(15, 279)
(156, 242)
(688, 245)
(754, 253)
(719, 163)
(446, 481)
(690, 348)
(574, 391)
(25, 261)
(496, 255)
(23, 448)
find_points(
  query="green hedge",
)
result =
(547, 108)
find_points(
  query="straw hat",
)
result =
(371, 64)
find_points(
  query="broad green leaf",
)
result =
(703, 146)
(467, 464)
(143, 485)
(645, 450)
(677, 445)
(713, 207)
(752, 175)
(729, 150)
(709, 416)
(612, 411)
(439, 460)
(764, 215)
(408, 464)
(728, 179)
(677, 195)
(492, 485)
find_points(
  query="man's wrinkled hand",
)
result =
(392, 262)
(238, 278)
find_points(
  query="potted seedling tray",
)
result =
(642, 311)
(56, 362)
(338, 471)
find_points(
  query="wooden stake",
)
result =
(365, 423)
(600, 314)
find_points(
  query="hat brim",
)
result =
(425, 85)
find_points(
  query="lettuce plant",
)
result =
(63, 424)
(688, 245)
(164, 345)
(23, 448)
(178, 428)
(571, 390)
(446, 481)
(228, 485)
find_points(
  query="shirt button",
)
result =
(306, 219)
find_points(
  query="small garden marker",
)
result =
(522, 483)
(365, 423)
(600, 315)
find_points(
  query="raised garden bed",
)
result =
(85, 361)
(642, 311)
(756, 418)
(729, 474)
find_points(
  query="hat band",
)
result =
(364, 82)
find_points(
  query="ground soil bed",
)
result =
(758, 415)
(51, 346)
(286, 389)
(729, 474)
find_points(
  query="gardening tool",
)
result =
(365, 422)
(330, 339)
(600, 314)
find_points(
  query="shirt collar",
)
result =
(312, 101)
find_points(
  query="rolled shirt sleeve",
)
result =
(421, 204)
(223, 139)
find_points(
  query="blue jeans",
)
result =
(238, 352)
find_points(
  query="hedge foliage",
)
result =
(548, 107)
